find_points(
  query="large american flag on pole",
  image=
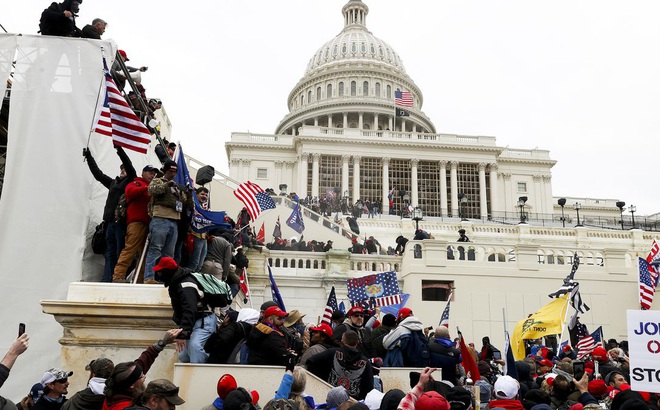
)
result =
(330, 307)
(117, 119)
(646, 285)
(582, 340)
(403, 98)
(256, 200)
(444, 320)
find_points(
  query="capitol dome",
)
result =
(350, 82)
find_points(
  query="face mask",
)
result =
(75, 7)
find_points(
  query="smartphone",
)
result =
(497, 355)
(578, 369)
(21, 329)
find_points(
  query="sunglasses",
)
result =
(61, 380)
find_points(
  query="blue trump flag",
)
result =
(277, 298)
(295, 221)
(202, 220)
(182, 176)
(394, 309)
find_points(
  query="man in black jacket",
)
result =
(355, 322)
(94, 30)
(444, 354)
(59, 19)
(345, 366)
(190, 312)
(115, 232)
(266, 343)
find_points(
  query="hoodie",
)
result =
(404, 329)
(345, 365)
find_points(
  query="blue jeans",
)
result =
(194, 352)
(196, 259)
(162, 238)
(115, 234)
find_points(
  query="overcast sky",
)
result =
(578, 78)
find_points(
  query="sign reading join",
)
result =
(644, 349)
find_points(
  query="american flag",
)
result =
(256, 200)
(585, 342)
(646, 285)
(383, 287)
(330, 307)
(576, 299)
(444, 320)
(277, 232)
(569, 283)
(403, 98)
(117, 119)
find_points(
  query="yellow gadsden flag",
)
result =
(546, 321)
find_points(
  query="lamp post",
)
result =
(621, 205)
(463, 200)
(283, 189)
(561, 202)
(632, 210)
(521, 203)
(418, 215)
(577, 210)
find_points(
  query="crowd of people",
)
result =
(349, 353)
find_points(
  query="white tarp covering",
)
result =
(50, 202)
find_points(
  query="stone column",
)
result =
(483, 199)
(278, 174)
(356, 177)
(344, 173)
(315, 174)
(330, 121)
(316, 121)
(443, 188)
(508, 205)
(234, 169)
(453, 181)
(547, 199)
(245, 174)
(345, 120)
(403, 124)
(494, 206)
(413, 182)
(375, 121)
(385, 202)
(538, 194)
(390, 122)
(360, 120)
(303, 163)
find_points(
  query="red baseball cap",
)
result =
(123, 54)
(226, 384)
(323, 328)
(354, 310)
(404, 313)
(275, 311)
(165, 263)
(545, 362)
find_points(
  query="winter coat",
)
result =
(55, 23)
(137, 199)
(84, 400)
(364, 335)
(90, 31)
(116, 186)
(445, 356)
(221, 344)
(186, 298)
(344, 366)
(267, 346)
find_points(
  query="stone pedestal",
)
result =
(117, 321)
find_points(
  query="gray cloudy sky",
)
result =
(579, 78)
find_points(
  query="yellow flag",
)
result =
(546, 321)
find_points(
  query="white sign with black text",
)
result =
(644, 349)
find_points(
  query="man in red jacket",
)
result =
(137, 222)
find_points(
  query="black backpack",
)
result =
(416, 352)
(120, 210)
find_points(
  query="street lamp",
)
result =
(577, 209)
(521, 203)
(632, 210)
(283, 189)
(463, 200)
(621, 205)
(418, 215)
(562, 202)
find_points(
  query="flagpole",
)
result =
(98, 96)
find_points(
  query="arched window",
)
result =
(318, 94)
(309, 96)
(353, 88)
(389, 91)
(328, 93)
(341, 89)
(365, 88)
(377, 89)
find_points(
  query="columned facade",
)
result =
(443, 188)
(483, 201)
(302, 174)
(413, 183)
(454, 188)
(385, 201)
(315, 174)
(493, 189)
(356, 177)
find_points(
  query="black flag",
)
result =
(400, 112)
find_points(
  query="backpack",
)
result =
(120, 210)
(416, 350)
(217, 293)
(98, 239)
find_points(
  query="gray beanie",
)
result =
(485, 391)
(336, 396)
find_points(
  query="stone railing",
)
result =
(319, 264)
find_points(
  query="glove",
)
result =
(291, 362)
